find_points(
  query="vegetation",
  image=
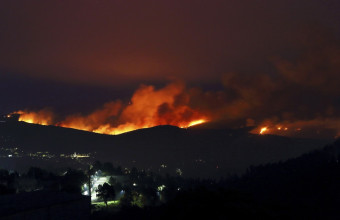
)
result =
(105, 192)
(304, 187)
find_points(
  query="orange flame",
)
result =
(42, 117)
(148, 108)
(193, 123)
(263, 130)
(271, 129)
(297, 128)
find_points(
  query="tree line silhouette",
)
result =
(304, 187)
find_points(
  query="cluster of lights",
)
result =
(97, 179)
(161, 188)
(11, 152)
(16, 152)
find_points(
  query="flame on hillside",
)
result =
(263, 130)
(315, 128)
(197, 122)
(148, 107)
(42, 117)
(271, 130)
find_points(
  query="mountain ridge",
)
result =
(195, 151)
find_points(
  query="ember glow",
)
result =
(177, 105)
(270, 130)
(276, 130)
(197, 122)
(42, 117)
(263, 130)
(316, 128)
(148, 107)
(286, 71)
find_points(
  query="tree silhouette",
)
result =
(73, 180)
(105, 192)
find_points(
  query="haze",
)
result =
(254, 62)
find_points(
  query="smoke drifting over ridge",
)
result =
(299, 96)
(119, 42)
(148, 107)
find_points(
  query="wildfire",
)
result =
(42, 117)
(263, 130)
(278, 129)
(148, 107)
(197, 122)
(272, 130)
(193, 123)
(104, 129)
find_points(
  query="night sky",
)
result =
(248, 62)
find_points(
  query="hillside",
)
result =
(195, 151)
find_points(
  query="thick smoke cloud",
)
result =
(278, 62)
(122, 42)
(301, 92)
(147, 107)
(300, 96)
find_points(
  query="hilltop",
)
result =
(196, 151)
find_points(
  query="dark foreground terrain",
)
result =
(195, 152)
(306, 187)
(303, 188)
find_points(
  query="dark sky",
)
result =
(73, 55)
(119, 42)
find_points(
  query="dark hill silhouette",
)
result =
(33, 137)
(196, 151)
(306, 187)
